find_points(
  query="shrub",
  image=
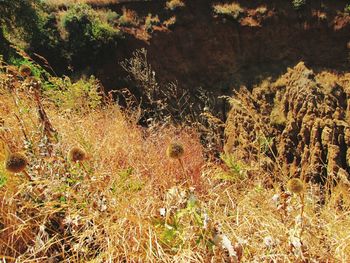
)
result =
(47, 41)
(19, 13)
(347, 9)
(151, 21)
(298, 4)
(128, 18)
(88, 36)
(231, 10)
(36, 70)
(170, 22)
(18, 19)
(80, 96)
(173, 4)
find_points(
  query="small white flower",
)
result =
(242, 241)
(296, 245)
(276, 199)
(113, 201)
(298, 220)
(68, 220)
(296, 242)
(226, 244)
(162, 211)
(205, 220)
(269, 242)
(42, 228)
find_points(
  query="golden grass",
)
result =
(107, 208)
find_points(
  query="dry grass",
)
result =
(107, 208)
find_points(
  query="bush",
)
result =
(81, 96)
(36, 70)
(18, 18)
(173, 4)
(231, 10)
(298, 4)
(19, 13)
(128, 18)
(347, 9)
(88, 36)
(47, 40)
(151, 21)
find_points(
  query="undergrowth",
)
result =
(125, 200)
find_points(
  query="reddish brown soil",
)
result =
(204, 50)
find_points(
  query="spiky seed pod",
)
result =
(25, 71)
(16, 162)
(76, 154)
(295, 185)
(175, 151)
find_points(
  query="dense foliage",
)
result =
(88, 36)
(77, 38)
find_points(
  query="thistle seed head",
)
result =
(295, 185)
(76, 154)
(16, 162)
(175, 151)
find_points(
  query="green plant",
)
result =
(3, 178)
(265, 143)
(128, 18)
(184, 223)
(126, 183)
(298, 4)
(47, 40)
(89, 37)
(80, 96)
(151, 21)
(235, 169)
(111, 17)
(347, 9)
(19, 24)
(36, 70)
(18, 14)
(231, 10)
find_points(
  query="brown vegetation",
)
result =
(129, 201)
(302, 121)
